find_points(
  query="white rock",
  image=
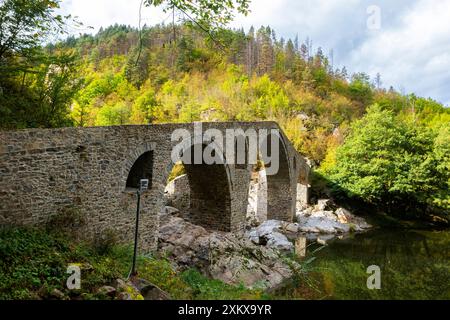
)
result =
(341, 215)
(324, 214)
(268, 227)
(253, 236)
(324, 204)
(291, 227)
(322, 225)
(279, 241)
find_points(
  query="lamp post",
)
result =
(143, 185)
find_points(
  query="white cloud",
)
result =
(102, 13)
(414, 54)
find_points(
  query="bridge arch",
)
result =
(138, 165)
(210, 188)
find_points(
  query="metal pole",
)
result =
(136, 231)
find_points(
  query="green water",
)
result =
(414, 265)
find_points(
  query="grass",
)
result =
(33, 263)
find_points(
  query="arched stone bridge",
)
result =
(91, 171)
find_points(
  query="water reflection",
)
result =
(414, 265)
(300, 247)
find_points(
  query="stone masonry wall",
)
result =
(47, 171)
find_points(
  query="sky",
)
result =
(406, 41)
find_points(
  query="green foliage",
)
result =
(204, 288)
(24, 24)
(36, 87)
(161, 273)
(214, 13)
(393, 162)
(117, 114)
(33, 262)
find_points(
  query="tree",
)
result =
(36, 86)
(24, 25)
(394, 163)
(137, 73)
(109, 115)
(56, 85)
(378, 82)
(211, 14)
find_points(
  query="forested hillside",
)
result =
(181, 75)
(177, 73)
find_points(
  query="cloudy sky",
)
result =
(406, 41)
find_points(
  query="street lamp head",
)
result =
(143, 185)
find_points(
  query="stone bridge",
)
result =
(94, 172)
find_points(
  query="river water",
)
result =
(414, 264)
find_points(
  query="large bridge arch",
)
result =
(210, 187)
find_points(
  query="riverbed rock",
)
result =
(279, 241)
(151, 292)
(322, 224)
(57, 294)
(291, 227)
(269, 233)
(231, 258)
(341, 215)
(107, 290)
(325, 204)
(327, 218)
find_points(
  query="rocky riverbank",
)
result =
(259, 258)
(231, 258)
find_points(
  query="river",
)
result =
(414, 264)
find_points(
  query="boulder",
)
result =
(291, 227)
(57, 294)
(341, 215)
(269, 234)
(253, 235)
(278, 241)
(124, 296)
(107, 290)
(151, 292)
(329, 215)
(128, 290)
(325, 204)
(269, 226)
(322, 225)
